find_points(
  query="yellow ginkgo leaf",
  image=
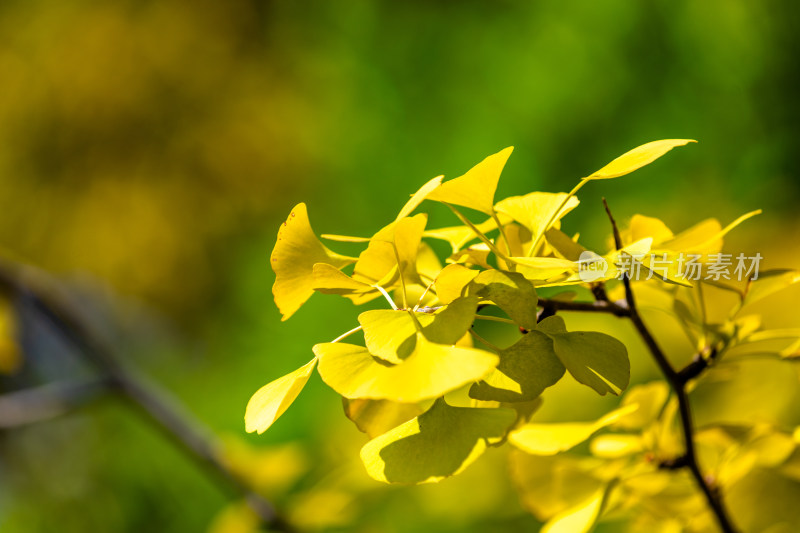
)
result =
(460, 236)
(430, 371)
(395, 246)
(537, 209)
(642, 227)
(581, 518)
(543, 268)
(637, 158)
(550, 439)
(376, 417)
(769, 283)
(441, 442)
(272, 400)
(549, 485)
(476, 188)
(418, 197)
(296, 252)
(452, 280)
(331, 280)
(563, 246)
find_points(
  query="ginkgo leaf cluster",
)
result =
(399, 366)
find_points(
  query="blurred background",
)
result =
(149, 151)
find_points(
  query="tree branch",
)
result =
(152, 403)
(38, 404)
(677, 381)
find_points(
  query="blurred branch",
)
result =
(677, 381)
(39, 404)
(164, 412)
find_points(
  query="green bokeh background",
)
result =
(149, 151)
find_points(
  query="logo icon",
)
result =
(591, 266)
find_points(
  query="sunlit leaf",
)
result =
(330, 280)
(451, 281)
(460, 236)
(612, 446)
(419, 196)
(511, 292)
(296, 252)
(476, 188)
(550, 439)
(376, 417)
(549, 485)
(581, 518)
(439, 443)
(392, 250)
(272, 400)
(768, 283)
(637, 158)
(650, 398)
(430, 371)
(525, 370)
(564, 247)
(642, 227)
(391, 335)
(594, 359)
(543, 268)
(477, 254)
(536, 209)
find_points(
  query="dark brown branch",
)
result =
(613, 308)
(155, 406)
(678, 384)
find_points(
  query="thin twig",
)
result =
(613, 308)
(153, 403)
(678, 384)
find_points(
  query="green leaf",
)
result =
(525, 370)
(476, 188)
(594, 359)
(376, 417)
(296, 252)
(430, 371)
(391, 335)
(272, 400)
(439, 443)
(511, 292)
(550, 439)
(637, 158)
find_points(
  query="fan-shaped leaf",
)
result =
(376, 417)
(296, 252)
(476, 188)
(524, 371)
(439, 443)
(430, 371)
(550, 439)
(272, 400)
(511, 292)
